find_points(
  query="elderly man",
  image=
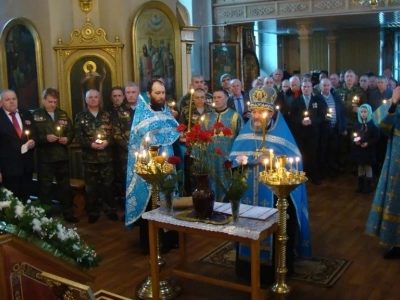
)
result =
(238, 100)
(93, 131)
(281, 141)
(17, 143)
(197, 83)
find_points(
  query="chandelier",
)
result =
(373, 3)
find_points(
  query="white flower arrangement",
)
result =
(54, 236)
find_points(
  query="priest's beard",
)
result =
(256, 126)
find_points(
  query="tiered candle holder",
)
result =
(154, 172)
(282, 182)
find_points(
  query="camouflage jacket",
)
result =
(122, 117)
(184, 116)
(88, 129)
(61, 126)
(184, 101)
(349, 97)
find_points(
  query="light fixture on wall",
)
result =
(373, 3)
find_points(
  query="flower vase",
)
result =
(203, 197)
(235, 206)
(168, 204)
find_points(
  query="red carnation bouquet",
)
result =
(203, 145)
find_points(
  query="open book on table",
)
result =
(246, 211)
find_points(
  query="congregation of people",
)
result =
(325, 119)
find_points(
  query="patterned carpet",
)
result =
(316, 270)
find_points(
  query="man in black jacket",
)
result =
(332, 128)
(17, 143)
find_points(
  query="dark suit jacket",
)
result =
(246, 108)
(12, 162)
(316, 112)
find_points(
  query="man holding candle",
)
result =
(307, 113)
(197, 83)
(93, 130)
(55, 133)
(16, 150)
(268, 125)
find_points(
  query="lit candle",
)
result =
(248, 103)
(271, 157)
(146, 141)
(144, 154)
(213, 104)
(265, 164)
(58, 131)
(297, 163)
(277, 165)
(164, 154)
(329, 114)
(190, 109)
(306, 118)
(201, 118)
(291, 163)
(264, 125)
(277, 107)
(27, 132)
(136, 155)
(356, 138)
(172, 103)
(355, 101)
(384, 101)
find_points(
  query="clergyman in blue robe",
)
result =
(281, 141)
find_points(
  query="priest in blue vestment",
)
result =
(384, 217)
(281, 141)
(232, 120)
(152, 125)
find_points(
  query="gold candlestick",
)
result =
(190, 109)
(282, 182)
(264, 125)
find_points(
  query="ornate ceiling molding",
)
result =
(245, 11)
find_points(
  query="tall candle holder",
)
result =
(152, 172)
(282, 182)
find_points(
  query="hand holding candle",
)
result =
(99, 140)
(306, 118)
(329, 114)
(59, 131)
(356, 137)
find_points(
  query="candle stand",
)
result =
(153, 173)
(282, 182)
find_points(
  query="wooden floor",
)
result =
(337, 217)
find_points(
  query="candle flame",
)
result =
(330, 110)
(306, 113)
(266, 161)
(147, 138)
(164, 154)
(99, 136)
(290, 159)
(58, 128)
(27, 132)
(277, 165)
(297, 159)
(191, 91)
(271, 151)
(355, 134)
(264, 115)
(173, 103)
(202, 118)
(277, 107)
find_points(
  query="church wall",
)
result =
(357, 49)
(56, 19)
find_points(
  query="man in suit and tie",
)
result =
(306, 115)
(17, 142)
(238, 100)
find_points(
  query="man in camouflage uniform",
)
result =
(121, 115)
(197, 83)
(55, 133)
(93, 130)
(352, 96)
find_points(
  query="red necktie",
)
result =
(16, 124)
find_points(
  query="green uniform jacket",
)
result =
(61, 126)
(122, 117)
(88, 129)
(347, 95)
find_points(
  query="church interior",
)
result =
(47, 43)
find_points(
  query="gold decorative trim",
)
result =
(87, 44)
(85, 5)
(38, 50)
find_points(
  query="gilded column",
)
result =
(304, 30)
(331, 38)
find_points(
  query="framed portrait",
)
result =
(156, 48)
(224, 59)
(251, 68)
(21, 62)
(89, 72)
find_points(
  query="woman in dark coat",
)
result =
(366, 135)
